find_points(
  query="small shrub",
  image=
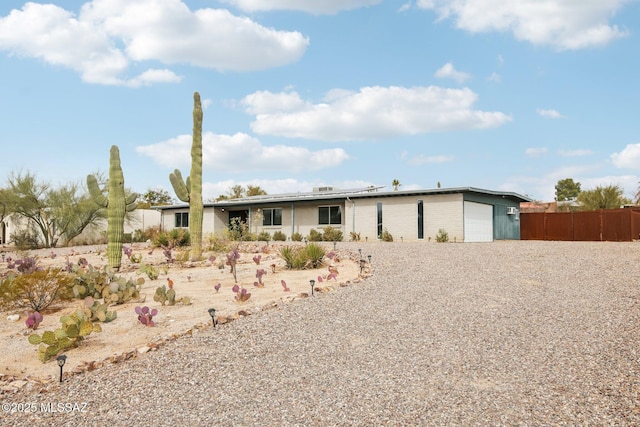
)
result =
(315, 235)
(144, 235)
(183, 256)
(176, 237)
(237, 230)
(385, 236)
(442, 236)
(296, 237)
(301, 257)
(330, 234)
(355, 237)
(264, 236)
(279, 236)
(217, 243)
(315, 254)
(25, 240)
(36, 290)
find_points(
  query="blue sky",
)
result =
(298, 94)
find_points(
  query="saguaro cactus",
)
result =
(116, 203)
(190, 191)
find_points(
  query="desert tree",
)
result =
(567, 190)
(56, 213)
(607, 197)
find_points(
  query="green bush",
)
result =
(442, 236)
(315, 236)
(302, 257)
(296, 237)
(385, 236)
(330, 234)
(173, 238)
(264, 236)
(279, 236)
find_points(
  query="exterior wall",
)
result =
(400, 217)
(505, 226)
(359, 214)
(443, 212)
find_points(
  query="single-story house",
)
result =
(466, 214)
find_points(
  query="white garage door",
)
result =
(478, 222)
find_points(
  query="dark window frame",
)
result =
(181, 220)
(272, 217)
(330, 215)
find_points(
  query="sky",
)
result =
(501, 95)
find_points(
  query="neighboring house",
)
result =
(140, 219)
(467, 214)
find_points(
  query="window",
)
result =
(182, 219)
(271, 217)
(379, 208)
(330, 215)
(420, 219)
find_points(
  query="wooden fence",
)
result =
(618, 225)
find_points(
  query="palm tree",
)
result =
(395, 184)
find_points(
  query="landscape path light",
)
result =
(62, 359)
(212, 313)
(369, 256)
(362, 262)
(313, 284)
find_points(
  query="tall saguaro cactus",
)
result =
(117, 203)
(190, 191)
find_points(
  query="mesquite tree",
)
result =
(190, 191)
(117, 204)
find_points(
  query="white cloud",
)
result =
(535, 151)
(628, 158)
(372, 113)
(564, 24)
(550, 114)
(449, 71)
(575, 153)
(107, 36)
(241, 152)
(494, 77)
(404, 7)
(310, 6)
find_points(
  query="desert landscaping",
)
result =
(126, 337)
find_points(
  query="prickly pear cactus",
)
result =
(117, 204)
(190, 191)
(75, 327)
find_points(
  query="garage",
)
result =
(478, 222)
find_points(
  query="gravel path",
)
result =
(504, 333)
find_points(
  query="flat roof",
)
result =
(356, 193)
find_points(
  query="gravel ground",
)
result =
(503, 333)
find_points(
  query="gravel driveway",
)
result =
(503, 333)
